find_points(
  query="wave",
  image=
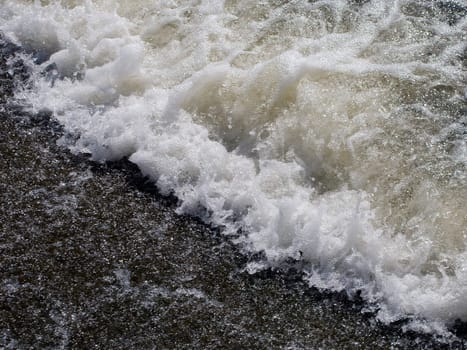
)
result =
(327, 132)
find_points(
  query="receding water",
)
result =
(328, 133)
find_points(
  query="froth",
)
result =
(326, 132)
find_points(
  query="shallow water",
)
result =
(94, 257)
(329, 133)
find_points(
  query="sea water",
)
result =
(327, 132)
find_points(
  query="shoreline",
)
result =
(96, 256)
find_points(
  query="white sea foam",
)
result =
(327, 131)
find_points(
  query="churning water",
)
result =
(330, 132)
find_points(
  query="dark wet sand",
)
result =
(92, 256)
